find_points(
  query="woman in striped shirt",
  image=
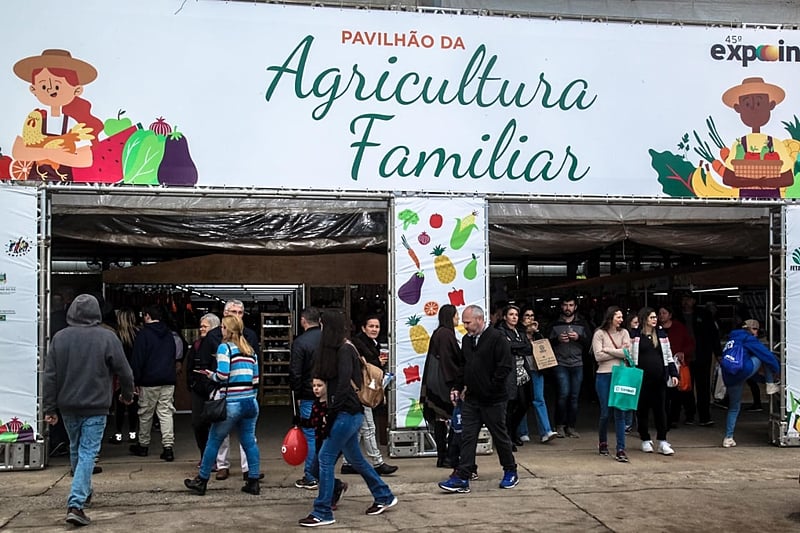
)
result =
(237, 364)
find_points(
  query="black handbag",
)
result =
(215, 410)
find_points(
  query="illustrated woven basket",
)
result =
(755, 169)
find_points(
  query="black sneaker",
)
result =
(377, 508)
(303, 483)
(138, 450)
(168, 455)
(116, 438)
(384, 470)
(754, 409)
(313, 521)
(706, 423)
(603, 449)
(622, 457)
(347, 469)
(77, 517)
(338, 492)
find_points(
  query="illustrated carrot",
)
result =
(411, 252)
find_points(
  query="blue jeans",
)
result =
(735, 397)
(308, 468)
(344, 439)
(602, 384)
(85, 437)
(539, 406)
(242, 415)
(569, 386)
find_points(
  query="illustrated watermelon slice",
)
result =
(106, 160)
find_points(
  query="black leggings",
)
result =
(653, 396)
(119, 413)
(518, 408)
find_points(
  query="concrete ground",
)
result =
(565, 486)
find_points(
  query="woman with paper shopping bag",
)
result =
(609, 344)
(652, 353)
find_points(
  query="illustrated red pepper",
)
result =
(456, 296)
(5, 166)
(772, 156)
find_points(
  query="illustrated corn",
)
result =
(445, 270)
(464, 228)
(418, 334)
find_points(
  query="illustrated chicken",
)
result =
(32, 136)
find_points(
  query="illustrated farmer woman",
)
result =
(59, 135)
(758, 164)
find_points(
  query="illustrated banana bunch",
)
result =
(705, 185)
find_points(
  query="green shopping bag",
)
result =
(626, 384)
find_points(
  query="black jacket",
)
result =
(205, 357)
(302, 362)
(368, 348)
(153, 361)
(484, 369)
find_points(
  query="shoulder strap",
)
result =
(612, 339)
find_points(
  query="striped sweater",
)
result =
(240, 370)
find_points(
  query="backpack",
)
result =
(370, 394)
(732, 360)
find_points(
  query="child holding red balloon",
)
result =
(319, 421)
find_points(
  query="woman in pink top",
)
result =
(609, 344)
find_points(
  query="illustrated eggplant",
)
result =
(411, 290)
(177, 167)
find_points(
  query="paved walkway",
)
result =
(565, 486)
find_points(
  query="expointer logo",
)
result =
(796, 260)
(734, 49)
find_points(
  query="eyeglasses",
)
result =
(527, 315)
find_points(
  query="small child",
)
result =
(454, 440)
(319, 421)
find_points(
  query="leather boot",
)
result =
(252, 486)
(197, 485)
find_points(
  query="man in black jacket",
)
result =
(301, 364)
(483, 369)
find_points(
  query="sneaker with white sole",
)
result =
(664, 448)
(728, 442)
(773, 388)
(303, 483)
(510, 480)
(455, 484)
(647, 446)
(313, 521)
(549, 436)
(377, 508)
(524, 438)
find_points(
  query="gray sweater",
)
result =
(81, 362)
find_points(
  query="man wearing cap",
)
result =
(754, 100)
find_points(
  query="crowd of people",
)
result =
(487, 378)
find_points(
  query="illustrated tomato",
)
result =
(772, 156)
(431, 308)
(749, 156)
(436, 221)
(5, 166)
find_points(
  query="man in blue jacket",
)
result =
(81, 362)
(153, 365)
(755, 355)
(483, 369)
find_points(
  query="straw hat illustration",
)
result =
(753, 86)
(54, 58)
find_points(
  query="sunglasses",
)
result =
(527, 315)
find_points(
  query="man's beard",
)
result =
(567, 313)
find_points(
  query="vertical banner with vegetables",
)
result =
(18, 314)
(792, 236)
(440, 256)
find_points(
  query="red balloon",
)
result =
(294, 448)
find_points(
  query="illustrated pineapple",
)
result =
(445, 270)
(793, 147)
(418, 334)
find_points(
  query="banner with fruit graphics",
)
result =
(19, 325)
(792, 391)
(344, 99)
(439, 257)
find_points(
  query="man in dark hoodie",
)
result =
(153, 365)
(80, 364)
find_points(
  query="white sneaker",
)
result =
(773, 388)
(664, 448)
(647, 446)
(728, 442)
(550, 436)
(525, 438)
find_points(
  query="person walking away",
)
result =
(482, 384)
(336, 362)
(519, 388)
(81, 361)
(201, 387)
(439, 370)
(570, 337)
(126, 331)
(683, 347)
(546, 433)
(705, 331)
(652, 353)
(153, 365)
(609, 344)
(301, 362)
(237, 373)
(756, 356)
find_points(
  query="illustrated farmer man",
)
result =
(758, 164)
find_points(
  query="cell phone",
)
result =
(200, 372)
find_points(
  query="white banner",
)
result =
(252, 94)
(440, 257)
(792, 236)
(18, 314)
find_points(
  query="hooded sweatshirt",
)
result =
(752, 348)
(81, 362)
(153, 360)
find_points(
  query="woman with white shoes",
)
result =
(652, 353)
